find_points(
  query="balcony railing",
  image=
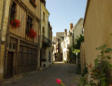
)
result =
(46, 42)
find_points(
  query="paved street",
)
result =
(66, 72)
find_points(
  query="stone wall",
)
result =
(34, 10)
(82, 57)
(98, 27)
(18, 33)
(21, 15)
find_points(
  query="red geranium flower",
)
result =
(15, 23)
(32, 33)
(58, 81)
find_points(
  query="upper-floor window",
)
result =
(29, 24)
(43, 16)
(13, 11)
(33, 2)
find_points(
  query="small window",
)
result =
(12, 44)
(29, 24)
(13, 11)
(43, 16)
(33, 2)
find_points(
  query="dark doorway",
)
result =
(9, 65)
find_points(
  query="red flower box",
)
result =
(32, 33)
(15, 23)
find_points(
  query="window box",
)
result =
(32, 33)
(15, 23)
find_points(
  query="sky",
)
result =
(64, 12)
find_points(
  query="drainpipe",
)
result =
(39, 40)
(3, 12)
(1, 28)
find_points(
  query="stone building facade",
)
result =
(19, 36)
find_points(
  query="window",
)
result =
(12, 43)
(33, 2)
(13, 11)
(43, 16)
(29, 24)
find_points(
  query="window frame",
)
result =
(13, 11)
(44, 16)
(29, 24)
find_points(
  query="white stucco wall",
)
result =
(65, 45)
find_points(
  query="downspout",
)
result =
(1, 28)
(40, 28)
(39, 40)
(3, 12)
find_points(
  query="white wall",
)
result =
(78, 29)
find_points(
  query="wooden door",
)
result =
(10, 64)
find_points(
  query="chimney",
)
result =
(44, 2)
(65, 32)
(71, 26)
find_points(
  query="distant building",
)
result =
(60, 35)
(57, 50)
(67, 43)
(70, 39)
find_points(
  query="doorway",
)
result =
(10, 61)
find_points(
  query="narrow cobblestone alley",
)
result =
(66, 72)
